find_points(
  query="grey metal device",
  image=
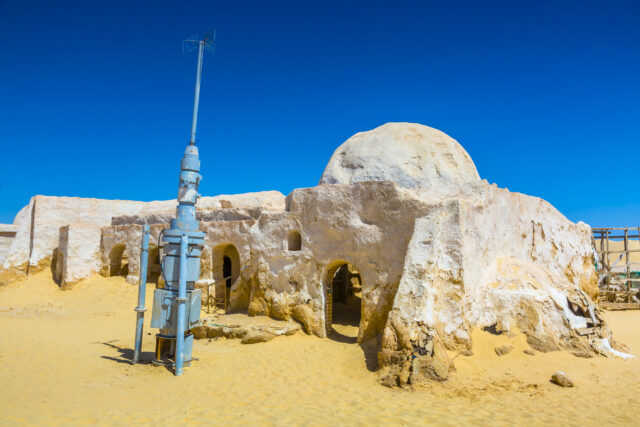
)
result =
(176, 306)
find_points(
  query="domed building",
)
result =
(409, 154)
(401, 247)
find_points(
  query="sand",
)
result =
(64, 361)
(618, 245)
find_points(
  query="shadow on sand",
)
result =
(126, 354)
(369, 348)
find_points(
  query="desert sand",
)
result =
(64, 359)
(618, 245)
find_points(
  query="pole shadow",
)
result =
(126, 354)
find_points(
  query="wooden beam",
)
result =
(620, 305)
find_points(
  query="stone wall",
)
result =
(38, 224)
(77, 256)
(7, 235)
(499, 260)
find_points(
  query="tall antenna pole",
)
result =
(174, 343)
(196, 99)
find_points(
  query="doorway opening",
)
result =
(226, 270)
(154, 268)
(343, 302)
(227, 267)
(118, 261)
(294, 241)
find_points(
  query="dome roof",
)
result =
(410, 154)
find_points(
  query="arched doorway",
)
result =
(226, 270)
(118, 261)
(343, 302)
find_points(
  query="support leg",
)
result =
(182, 297)
(142, 289)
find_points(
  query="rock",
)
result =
(203, 331)
(199, 332)
(503, 349)
(529, 352)
(410, 154)
(292, 330)
(389, 380)
(543, 344)
(254, 337)
(305, 315)
(250, 333)
(234, 332)
(603, 347)
(431, 367)
(405, 373)
(561, 379)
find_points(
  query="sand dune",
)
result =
(64, 360)
(615, 259)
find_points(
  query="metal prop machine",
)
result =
(176, 305)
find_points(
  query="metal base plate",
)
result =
(170, 363)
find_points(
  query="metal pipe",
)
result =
(142, 289)
(182, 298)
(196, 99)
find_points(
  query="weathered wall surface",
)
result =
(493, 259)
(38, 224)
(409, 154)
(38, 227)
(7, 235)
(78, 255)
(15, 264)
(367, 225)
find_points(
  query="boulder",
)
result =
(248, 329)
(503, 349)
(434, 366)
(254, 337)
(561, 379)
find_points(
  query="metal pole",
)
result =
(182, 293)
(142, 289)
(196, 100)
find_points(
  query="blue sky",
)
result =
(96, 96)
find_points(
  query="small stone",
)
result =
(503, 349)
(467, 353)
(561, 379)
(435, 367)
(292, 329)
(530, 352)
(256, 337)
(199, 332)
(403, 376)
(389, 381)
